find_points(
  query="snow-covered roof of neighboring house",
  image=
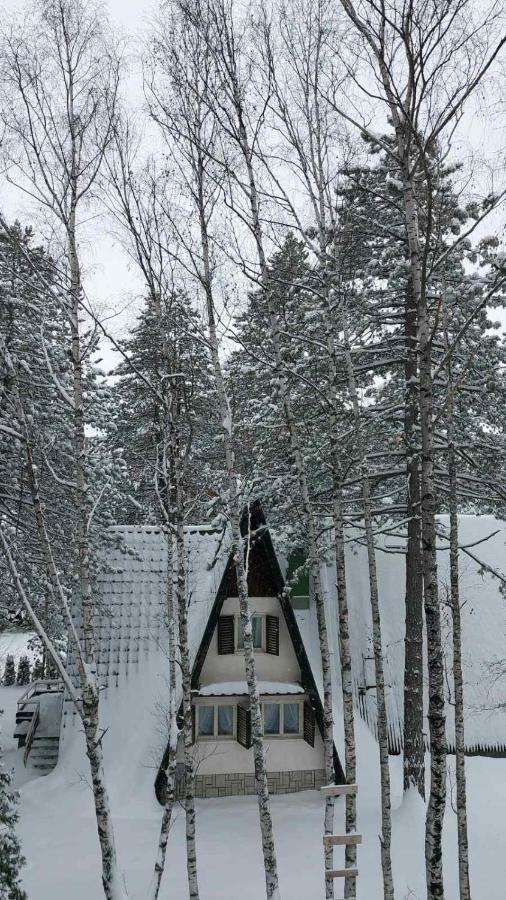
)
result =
(133, 592)
(482, 565)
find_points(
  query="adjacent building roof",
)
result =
(482, 569)
(133, 592)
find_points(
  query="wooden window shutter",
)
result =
(244, 727)
(309, 723)
(272, 635)
(194, 712)
(226, 626)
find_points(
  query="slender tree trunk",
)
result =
(171, 502)
(458, 680)
(307, 510)
(111, 880)
(189, 763)
(350, 761)
(382, 726)
(413, 741)
(170, 772)
(235, 515)
(436, 710)
(350, 753)
(114, 888)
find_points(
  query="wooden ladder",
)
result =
(332, 840)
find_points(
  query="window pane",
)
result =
(206, 720)
(271, 718)
(256, 627)
(225, 720)
(257, 632)
(291, 718)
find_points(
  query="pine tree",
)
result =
(38, 669)
(9, 672)
(166, 325)
(24, 673)
(11, 858)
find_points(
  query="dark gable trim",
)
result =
(308, 681)
(261, 539)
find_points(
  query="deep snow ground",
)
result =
(59, 840)
(58, 831)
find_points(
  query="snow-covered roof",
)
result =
(482, 541)
(240, 688)
(133, 594)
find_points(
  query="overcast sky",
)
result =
(111, 279)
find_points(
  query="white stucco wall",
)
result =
(284, 753)
(230, 667)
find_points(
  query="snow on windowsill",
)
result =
(232, 688)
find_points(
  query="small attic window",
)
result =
(297, 579)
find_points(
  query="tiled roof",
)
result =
(133, 601)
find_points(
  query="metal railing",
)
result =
(31, 734)
(42, 686)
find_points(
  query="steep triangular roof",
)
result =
(254, 523)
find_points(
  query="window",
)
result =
(206, 721)
(272, 718)
(282, 718)
(216, 721)
(257, 626)
(291, 718)
(225, 721)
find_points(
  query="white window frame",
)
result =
(215, 736)
(261, 649)
(281, 734)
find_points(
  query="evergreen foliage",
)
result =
(24, 671)
(11, 857)
(38, 669)
(9, 677)
(166, 366)
(36, 417)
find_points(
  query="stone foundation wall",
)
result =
(242, 783)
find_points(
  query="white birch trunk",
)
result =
(413, 737)
(111, 880)
(458, 679)
(386, 812)
(308, 515)
(184, 657)
(238, 551)
(170, 771)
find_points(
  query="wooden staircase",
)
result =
(38, 720)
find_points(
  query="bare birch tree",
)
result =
(137, 201)
(413, 51)
(240, 127)
(60, 81)
(293, 67)
(184, 118)
(458, 678)
(382, 725)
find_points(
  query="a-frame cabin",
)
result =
(291, 705)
